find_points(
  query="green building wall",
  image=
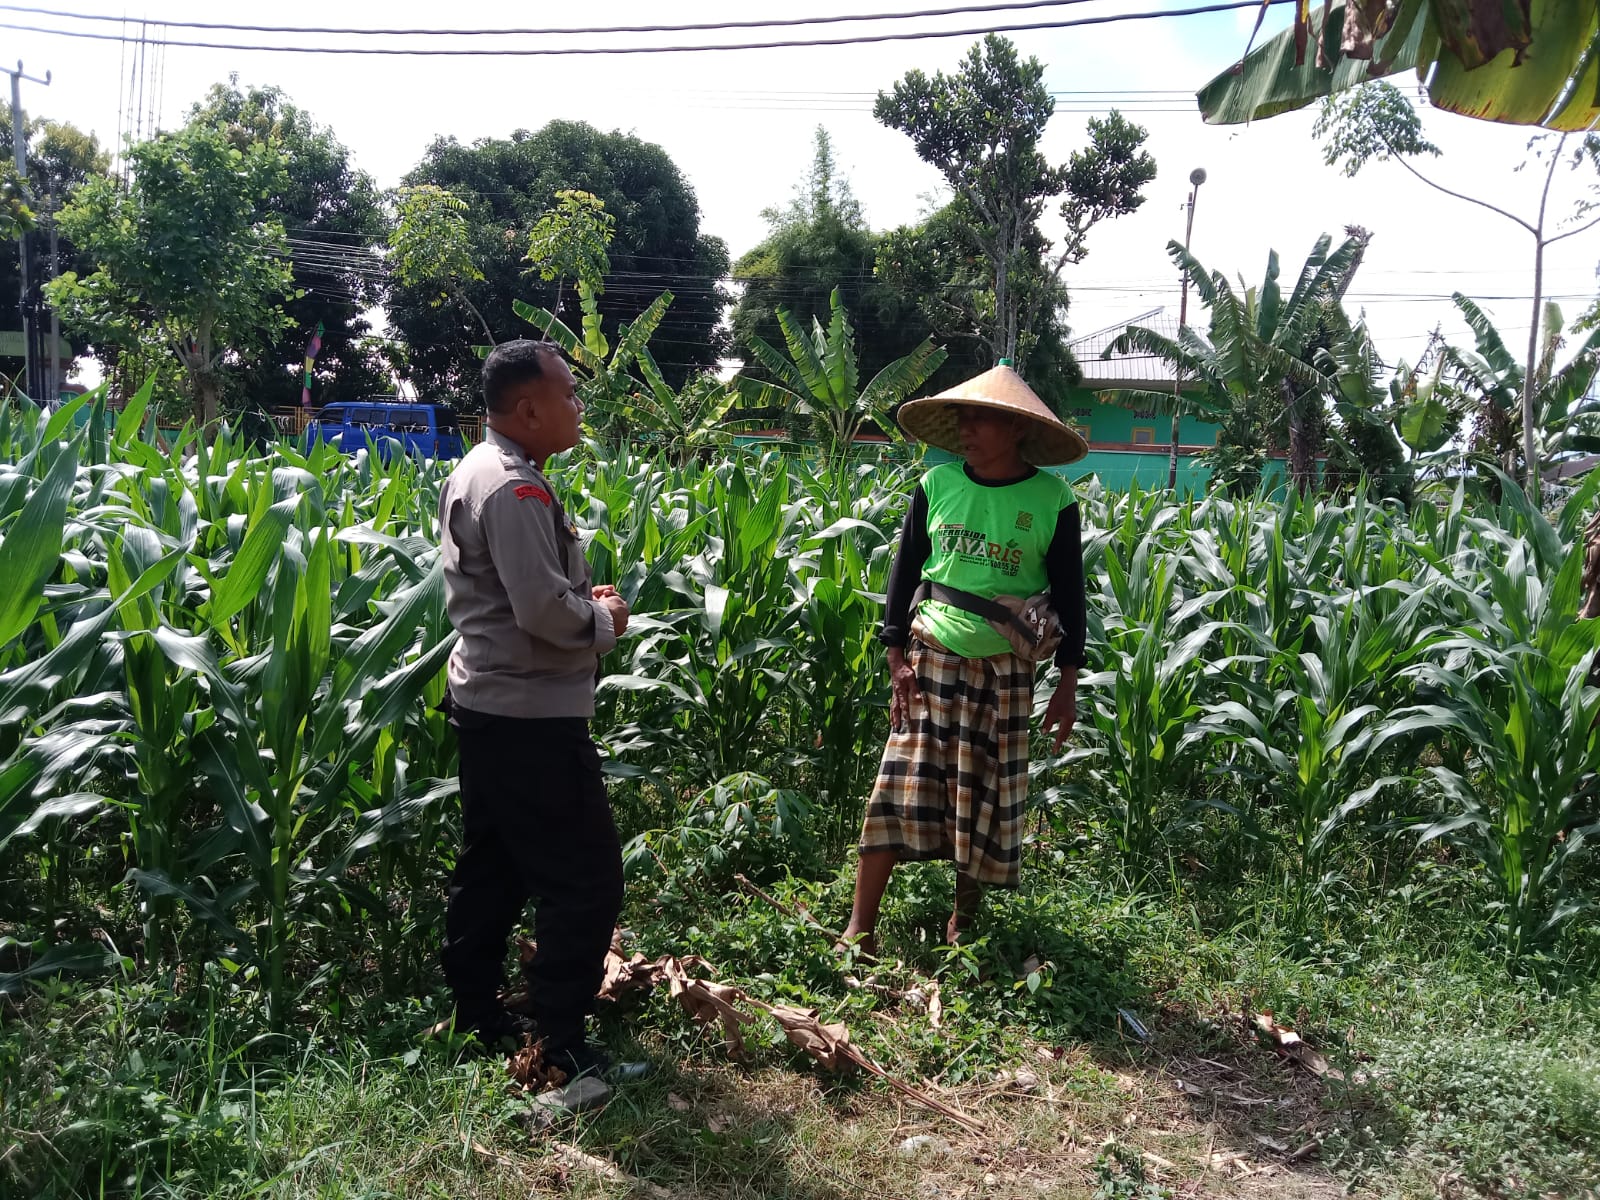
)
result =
(1126, 447)
(1104, 423)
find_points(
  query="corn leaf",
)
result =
(32, 546)
(247, 573)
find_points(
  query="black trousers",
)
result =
(537, 825)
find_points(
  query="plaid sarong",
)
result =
(953, 783)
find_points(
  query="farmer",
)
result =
(954, 774)
(537, 822)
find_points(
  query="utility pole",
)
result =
(1196, 178)
(54, 393)
(27, 307)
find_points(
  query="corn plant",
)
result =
(729, 639)
(204, 648)
(1314, 735)
(842, 570)
(794, 557)
(220, 669)
(1519, 783)
(1144, 701)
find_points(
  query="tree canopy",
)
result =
(933, 269)
(818, 243)
(981, 128)
(333, 218)
(186, 264)
(61, 158)
(508, 186)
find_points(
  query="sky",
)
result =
(740, 125)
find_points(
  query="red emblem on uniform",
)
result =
(530, 492)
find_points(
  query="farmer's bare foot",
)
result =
(969, 894)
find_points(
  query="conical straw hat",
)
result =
(1047, 443)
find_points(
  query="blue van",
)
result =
(392, 425)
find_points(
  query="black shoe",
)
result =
(503, 1031)
(577, 1059)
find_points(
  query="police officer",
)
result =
(537, 822)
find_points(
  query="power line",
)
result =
(697, 27)
(688, 287)
(569, 51)
(827, 93)
(865, 110)
(125, 131)
(367, 261)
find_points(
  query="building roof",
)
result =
(1569, 467)
(1124, 370)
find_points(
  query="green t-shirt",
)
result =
(988, 540)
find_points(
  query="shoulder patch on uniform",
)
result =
(529, 491)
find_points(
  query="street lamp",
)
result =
(1196, 178)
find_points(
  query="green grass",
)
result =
(1454, 1067)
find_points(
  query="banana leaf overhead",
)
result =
(1520, 62)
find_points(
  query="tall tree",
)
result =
(508, 185)
(431, 249)
(333, 217)
(981, 128)
(186, 265)
(817, 243)
(570, 241)
(16, 215)
(61, 158)
(1377, 122)
(936, 273)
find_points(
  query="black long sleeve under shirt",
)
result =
(1063, 565)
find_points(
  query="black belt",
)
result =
(981, 606)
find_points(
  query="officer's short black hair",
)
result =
(509, 364)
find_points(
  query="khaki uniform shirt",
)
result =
(518, 590)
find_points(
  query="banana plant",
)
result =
(1254, 368)
(605, 382)
(1492, 381)
(686, 423)
(1461, 52)
(819, 379)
